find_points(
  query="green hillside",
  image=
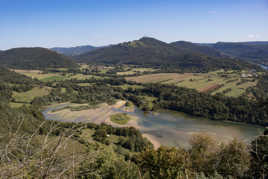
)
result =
(152, 52)
(194, 48)
(34, 58)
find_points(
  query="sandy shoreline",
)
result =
(102, 115)
(153, 140)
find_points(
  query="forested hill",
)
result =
(152, 52)
(253, 51)
(34, 58)
(7, 76)
(72, 51)
(195, 48)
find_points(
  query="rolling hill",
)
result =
(152, 52)
(34, 58)
(72, 51)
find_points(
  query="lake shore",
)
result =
(163, 127)
(153, 140)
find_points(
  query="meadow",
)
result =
(28, 96)
(134, 70)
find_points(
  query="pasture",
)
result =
(28, 96)
(55, 76)
(230, 83)
(132, 70)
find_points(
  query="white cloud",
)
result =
(254, 36)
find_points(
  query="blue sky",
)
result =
(50, 23)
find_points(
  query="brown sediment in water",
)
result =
(97, 115)
(102, 115)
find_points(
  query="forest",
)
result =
(34, 58)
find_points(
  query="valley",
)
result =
(128, 89)
(119, 112)
(162, 127)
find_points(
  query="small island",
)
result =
(120, 118)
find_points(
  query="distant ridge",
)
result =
(34, 58)
(72, 51)
(196, 48)
(152, 52)
(251, 51)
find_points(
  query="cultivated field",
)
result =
(230, 83)
(132, 71)
(59, 76)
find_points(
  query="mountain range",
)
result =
(255, 51)
(251, 51)
(72, 51)
(183, 55)
(152, 52)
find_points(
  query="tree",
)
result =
(233, 159)
(202, 153)
(164, 163)
(259, 157)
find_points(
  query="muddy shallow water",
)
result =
(168, 128)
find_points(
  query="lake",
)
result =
(175, 129)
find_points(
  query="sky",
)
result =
(65, 23)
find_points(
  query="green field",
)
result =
(126, 86)
(132, 71)
(231, 83)
(27, 97)
(59, 76)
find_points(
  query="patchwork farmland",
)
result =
(230, 83)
